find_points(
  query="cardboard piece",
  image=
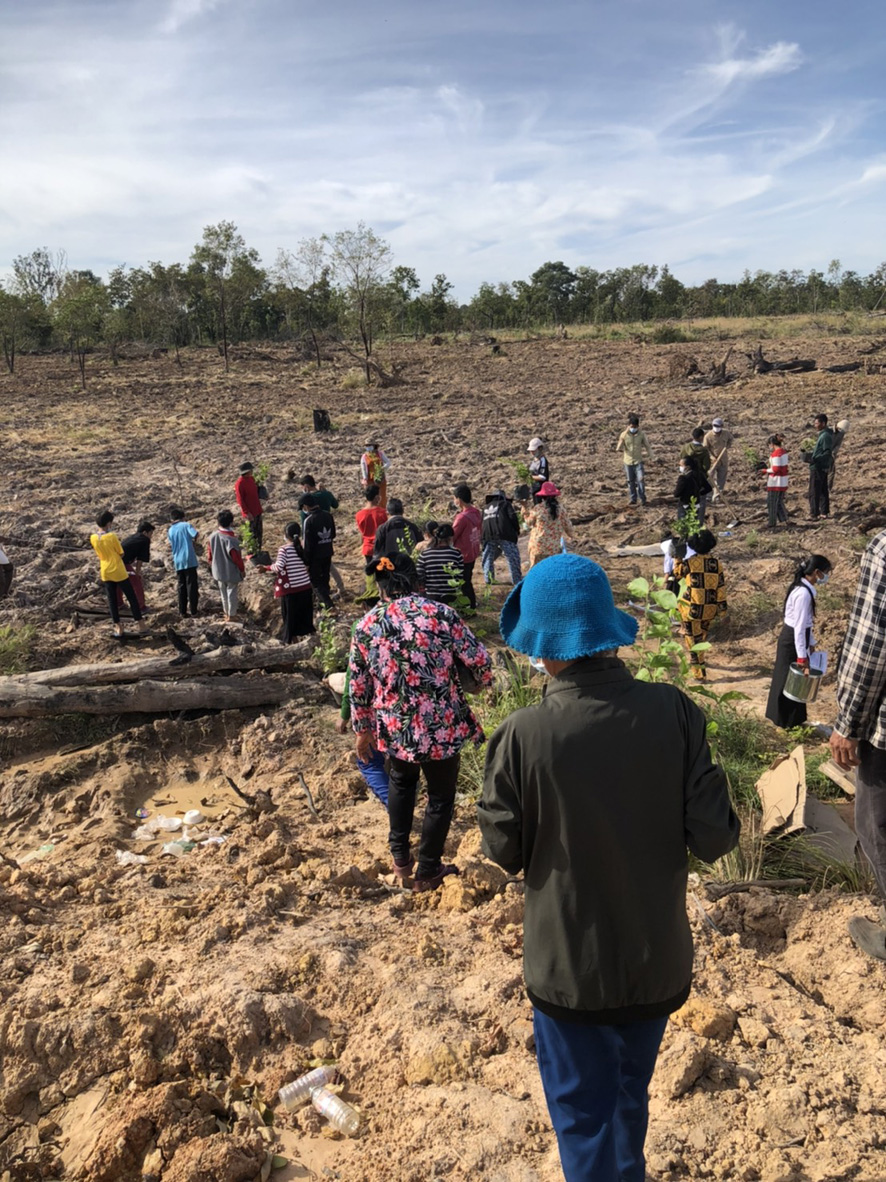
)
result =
(782, 792)
(788, 809)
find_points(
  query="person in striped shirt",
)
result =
(776, 482)
(441, 566)
(292, 586)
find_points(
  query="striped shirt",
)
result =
(292, 574)
(861, 676)
(778, 469)
(437, 567)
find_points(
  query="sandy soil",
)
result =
(150, 1011)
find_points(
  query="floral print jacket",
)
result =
(404, 684)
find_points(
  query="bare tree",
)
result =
(361, 262)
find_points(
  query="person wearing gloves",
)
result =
(718, 442)
(374, 466)
(539, 468)
(578, 798)
(634, 448)
(796, 640)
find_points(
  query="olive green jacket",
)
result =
(595, 795)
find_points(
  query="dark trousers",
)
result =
(7, 570)
(258, 530)
(596, 1081)
(440, 777)
(320, 569)
(819, 495)
(870, 810)
(775, 507)
(126, 587)
(297, 612)
(187, 590)
(468, 585)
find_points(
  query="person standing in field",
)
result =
(858, 739)
(226, 563)
(820, 470)
(397, 535)
(374, 466)
(702, 597)
(7, 570)
(328, 501)
(292, 586)
(594, 795)
(797, 640)
(251, 508)
(539, 468)
(368, 519)
(776, 482)
(548, 522)
(692, 485)
(317, 544)
(114, 575)
(499, 534)
(182, 536)
(440, 567)
(718, 442)
(136, 554)
(407, 701)
(467, 528)
(634, 448)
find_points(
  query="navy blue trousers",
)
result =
(596, 1081)
(373, 772)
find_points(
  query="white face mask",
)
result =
(633, 430)
(683, 470)
(823, 578)
(717, 430)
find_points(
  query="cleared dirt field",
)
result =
(149, 1011)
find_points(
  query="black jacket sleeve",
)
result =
(499, 810)
(709, 821)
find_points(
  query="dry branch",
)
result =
(145, 697)
(220, 660)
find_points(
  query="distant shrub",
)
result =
(669, 334)
(353, 379)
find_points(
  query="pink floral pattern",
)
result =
(404, 684)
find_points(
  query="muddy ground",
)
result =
(150, 1011)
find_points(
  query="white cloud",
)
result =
(780, 58)
(182, 11)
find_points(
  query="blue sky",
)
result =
(480, 139)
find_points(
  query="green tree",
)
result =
(232, 275)
(40, 274)
(20, 316)
(361, 262)
(79, 313)
(552, 287)
(303, 285)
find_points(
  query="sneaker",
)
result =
(421, 883)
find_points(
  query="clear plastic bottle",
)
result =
(299, 1091)
(338, 1112)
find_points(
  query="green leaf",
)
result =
(701, 647)
(666, 600)
(642, 675)
(278, 1161)
(638, 588)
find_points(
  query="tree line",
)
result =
(346, 285)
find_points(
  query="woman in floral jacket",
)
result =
(407, 700)
(549, 525)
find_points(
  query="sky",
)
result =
(480, 138)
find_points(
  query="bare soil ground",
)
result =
(148, 1011)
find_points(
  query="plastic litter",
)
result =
(169, 824)
(193, 817)
(142, 813)
(338, 1112)
(37, 855)
(177, 848)
(294, 1094)
(128, 858)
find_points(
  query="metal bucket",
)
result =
(801, 686)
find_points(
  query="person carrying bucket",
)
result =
(796, 641)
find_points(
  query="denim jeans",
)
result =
(596, 1081)
(491, 551)
(634, 475)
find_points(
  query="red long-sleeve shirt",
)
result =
(246, 491)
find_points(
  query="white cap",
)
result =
(717, 423)
(534, 444)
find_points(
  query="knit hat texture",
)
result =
(563, 609)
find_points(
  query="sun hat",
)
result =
(548, 489)
(563, 609)
(717, 423)
(245, 466)
(534, 443)
(373, 442)
(843, 425)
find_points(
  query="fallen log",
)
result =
(145, 697)
(219, 660)
(759, 364)
(849, 367)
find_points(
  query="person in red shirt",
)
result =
(368, 520)
(467, 526)
(251, 509)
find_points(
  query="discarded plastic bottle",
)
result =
(338, 1112)
(299, 1091)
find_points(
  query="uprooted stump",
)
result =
(759, 364)
(682, 366)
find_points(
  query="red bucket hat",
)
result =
(548, 489)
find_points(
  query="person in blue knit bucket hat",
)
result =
(595, 794)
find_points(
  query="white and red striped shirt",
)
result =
(777, 472)
(292, 574)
